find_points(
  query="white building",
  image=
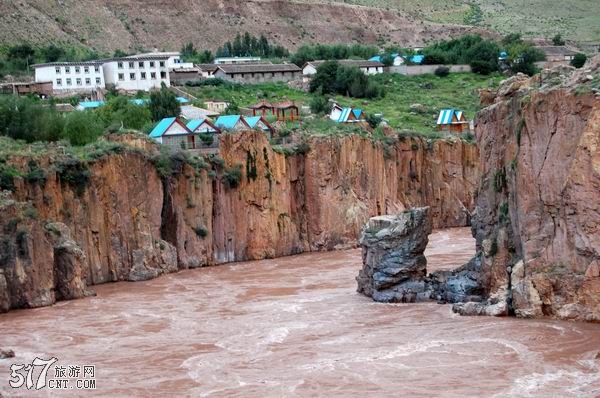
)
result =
(142, 72)
(174, 60)
(137, 73)
(237, 60)
(368, 67)
(71, 76)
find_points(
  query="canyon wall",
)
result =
(538, 211)
(117, 218)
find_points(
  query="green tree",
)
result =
(119, 53)
(188, 52)
(578, 60)
(319, 104)
(522, 58)
(21, 52)
(163, 103)
(52, 53)
(81, 128)
(325, 78)
(557, 40)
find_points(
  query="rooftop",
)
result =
(557, 50)
(162, 127)
(360, 63)
(258, 68)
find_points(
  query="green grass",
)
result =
(574, 19)
(458, 90)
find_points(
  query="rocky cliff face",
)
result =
(537, 215)
(116, 218)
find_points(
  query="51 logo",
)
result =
(17, 379)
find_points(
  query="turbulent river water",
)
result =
(295, 326)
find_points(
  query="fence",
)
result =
(413, 70)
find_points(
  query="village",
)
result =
(239, 93)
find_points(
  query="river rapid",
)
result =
(295, 327)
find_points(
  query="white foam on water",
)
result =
(277, 335)
(578, 383)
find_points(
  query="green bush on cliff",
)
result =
(75, 173)
(201, 231)
(232, 176)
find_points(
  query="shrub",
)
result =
(232, 176)
(82, 128)
(75, 173)
(442, 71)
(319, 105)
(578, 60)
(207, 138)
(35, 175)
(163, 103)
(7, 177)
(374, 120)
(302, 148)
(201, 231)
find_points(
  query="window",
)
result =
(98, 80)
(152, 75)
(120, 65)
(78, 81)
(59, 82)
(57, 69)
(143, 75)
(67, 69)
(152, 64)
(68, 82)
(86, 69)
(77, 69)
(141, 64)
(131, 65)
(162, 64)
(88, 81)
(163, 75)
(96, 69)
(132, 76)
(121, 76)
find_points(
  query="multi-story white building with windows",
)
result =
(142, 72)
(137, 72)
(71, 76)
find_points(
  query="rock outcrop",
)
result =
(537, 215)
(120, 219)
(394, 267)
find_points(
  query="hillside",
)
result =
(576, 20)
(107, 25)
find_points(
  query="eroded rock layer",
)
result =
(121, 220)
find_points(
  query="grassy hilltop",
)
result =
(575, 19)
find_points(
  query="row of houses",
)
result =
(142, 72)
(203, 133)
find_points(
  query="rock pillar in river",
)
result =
(394, 267)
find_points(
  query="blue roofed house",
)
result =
(452, 120)
(259, 123)
(206, 131)
(86, 105)
(232, 123)
(397, 59)
(417, 59)
(346, 114)
(203, 126)
(172, 132)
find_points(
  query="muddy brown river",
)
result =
(295, 327)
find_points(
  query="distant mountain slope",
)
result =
(166, 24)
(576, 20)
